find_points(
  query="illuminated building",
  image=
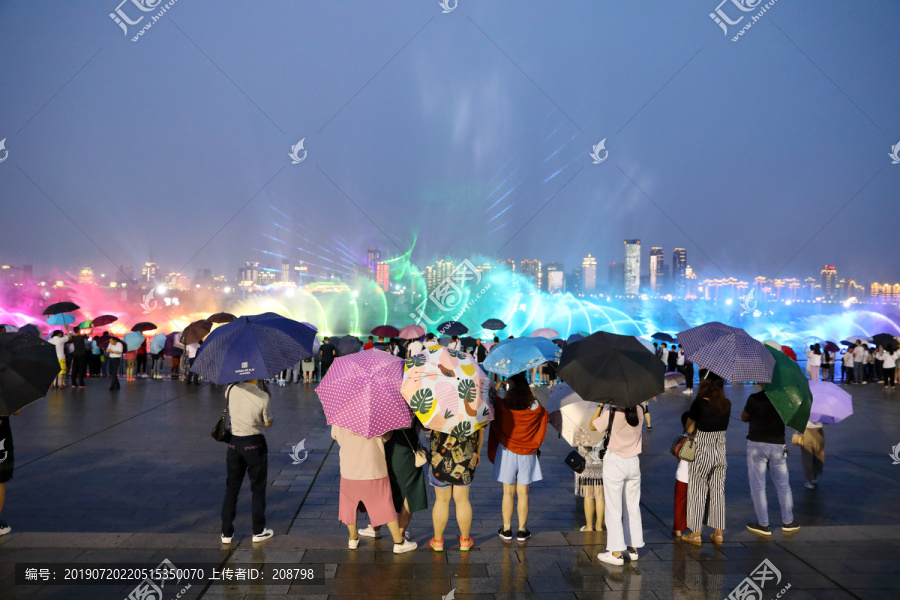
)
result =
(372, 257)
(657, 272)
(510, 263)
(632, 267)
(828, 282)
(532, 270)
(149, 271)
(589, 274)
(86, 276)
(679, 269)
(383, 275)
(554, 278)
(285, 271)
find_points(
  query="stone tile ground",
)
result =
(133, 477)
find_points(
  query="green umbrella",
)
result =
(85, 325)
(789, 391)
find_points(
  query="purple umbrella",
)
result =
(361, 392)
(830, 404)
(172, 346)
(729, 352)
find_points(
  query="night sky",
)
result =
(465, 133)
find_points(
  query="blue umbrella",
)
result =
(494, 324)
(60, 319)
(452, 328)
(133, 340)
(729, 352)
(253, 347)
(347, 345)
(157, 343)
(574, 338)
(32, 329)
(663, 337)
(520, 354)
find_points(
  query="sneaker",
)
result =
(790, 527)
(505, 534)
(261, 537)
(4, 528)
(688, 392)
(226, 539)
(632, 554)
(610, 559)
(810, 486)
(370, 532)
(759, 529)
(353, 544)
(522, 535)
(406, 546)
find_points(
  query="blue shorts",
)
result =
(512, 468)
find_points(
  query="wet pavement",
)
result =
(133, 478)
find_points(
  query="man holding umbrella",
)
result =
(79, 358)
(766, 448)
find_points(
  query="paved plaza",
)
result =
(133, 477)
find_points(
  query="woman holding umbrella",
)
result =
(707, 422)
(518, 430)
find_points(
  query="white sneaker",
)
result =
(632, 555)
(810, 486)
(609, 558)
(406, 546)
(261, 537)
(353, 544)
(370, 532)
(226, 539)
(688, 392)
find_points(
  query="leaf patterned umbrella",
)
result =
(448, 391)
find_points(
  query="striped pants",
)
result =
(707, 482)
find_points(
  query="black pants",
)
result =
(325, 367)
(191, 376)
(248, 455)
(79, 368)
(141, 367)
(688, 370)
(114, 372)
(889, 376)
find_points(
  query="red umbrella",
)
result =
(386, 331)
(104, 320)
(789, 352)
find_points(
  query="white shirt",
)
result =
(453, 345)
(415, 347)
(249, 409)
(115, 349)
(814, 359)
(858, 354)
(192, 350)
(683, 474)
(680, 361)
(60, 343)
(664, 355)
(848, 359)
(890, 359)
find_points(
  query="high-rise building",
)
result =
(301, 274)
(657, 270)
(285, 271)
(383, 275)
(575, 281)
(616, 278)
(510, 263)
(86, 276)
(150, 271)
(679, 269)
(589, 274)
(372, 257)
(531, 269)
(632, 267)
(829, 282)
(554, 278)
(249, 273)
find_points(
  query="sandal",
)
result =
(694, 538)
(716, 539)
(466, 544)
(437, 545)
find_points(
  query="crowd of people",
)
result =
(860, 364)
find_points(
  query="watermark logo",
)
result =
(448, 295)
(748, 302)
(6, 152)
(895, 153)
(448, 6)
(296, 159)
(721, 18)
(751, 588)
(895, 454)
(123, 20)
(3, 448)
(149, 304)
(596, 153)
(152, 588)
(296, 450)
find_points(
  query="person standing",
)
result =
(79, 358)
(454, 343)
(622, 481)
(364, 479)
(114, 352)
(672, 365)
(516, 434)
(140, 370)
(889, 367)
(813, 362)
(452, 469)
(859, 363)
(191, 350)
(812, 452)
(766, 450)
(682, 479)
(59, 340)
(413, 348)
(327, 351)
(847, 367)
(480, 351)
(664, 353)
(589, 486)
(827, 366)
(708, 421)
(688, 371)
(7, 465)
(248, 454)
(370, 343)
(879, 364)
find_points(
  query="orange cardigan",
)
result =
(520, 431)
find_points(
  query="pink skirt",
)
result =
(374, 493)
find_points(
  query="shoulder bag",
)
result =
(222, 432)
(421, 455)
(684, 448)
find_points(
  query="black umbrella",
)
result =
(28, 366)
(196, 331)
(104, 320)
(467, 342)
(144, 326)
(347, 345)
(607, 367)
(663, 337)
(222, 317)
(30, 328)
(452, 328)
(494, 324)
(882, 339)
(61, 307)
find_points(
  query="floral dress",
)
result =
(450, 457)
(592, 474)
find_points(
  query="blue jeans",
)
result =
(760, 456)
(859, 373)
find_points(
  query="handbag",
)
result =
(222, 432)
(684, 448)
(797, 439)
(419, 452)
(576, 461)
